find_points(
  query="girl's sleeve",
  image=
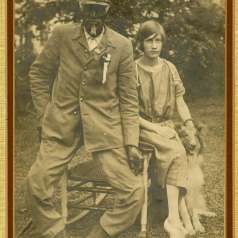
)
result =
(179, 88)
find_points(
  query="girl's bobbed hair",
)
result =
(148, 29)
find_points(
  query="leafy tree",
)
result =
(195, 35)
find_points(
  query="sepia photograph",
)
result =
(119, 118)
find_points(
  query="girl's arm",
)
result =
(184, 112)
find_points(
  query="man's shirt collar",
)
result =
(93, 41)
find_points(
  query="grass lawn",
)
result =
(209, 111)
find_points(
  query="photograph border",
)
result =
(229, 109)
(235, 125)
(3, 121)
(7, 119)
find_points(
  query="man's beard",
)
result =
(94, 27)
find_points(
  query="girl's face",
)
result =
(153, 46)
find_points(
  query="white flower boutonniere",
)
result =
(106, 60)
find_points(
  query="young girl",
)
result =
(160, 93)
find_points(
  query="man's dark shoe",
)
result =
(98, 232)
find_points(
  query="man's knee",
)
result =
(133, 193)
(34, 181)
(31, 180)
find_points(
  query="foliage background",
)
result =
(195, 37)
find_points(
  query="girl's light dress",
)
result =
(158, 88)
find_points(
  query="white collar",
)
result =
(97, 38)
(93, 41)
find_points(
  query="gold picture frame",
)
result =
(5, 186)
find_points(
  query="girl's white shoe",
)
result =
(175, 231)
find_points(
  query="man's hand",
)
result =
(135, 159)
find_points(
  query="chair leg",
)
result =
(64, 197)
(143, 232)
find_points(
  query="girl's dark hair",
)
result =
(147, 29)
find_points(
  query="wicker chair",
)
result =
(84, 188)
(87, 178)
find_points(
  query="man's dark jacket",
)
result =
(108, 113)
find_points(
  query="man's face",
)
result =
(94, 15)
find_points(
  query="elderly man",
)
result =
(93, 102)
